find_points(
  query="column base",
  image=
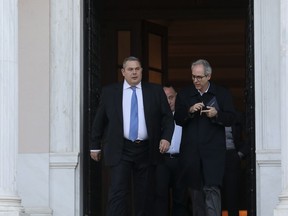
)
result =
(13, 214)
(281, 212)
(11, 206)
(282, 208)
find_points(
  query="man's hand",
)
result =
(210, 112)
(196, 107)
(96, 155)
(164, 146)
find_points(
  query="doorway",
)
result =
(220, 31)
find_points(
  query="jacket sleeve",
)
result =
(98, 126)
(226, 114)
(182, 106)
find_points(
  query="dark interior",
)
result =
(210, 29)
(219, 31)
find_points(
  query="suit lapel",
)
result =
(146, 102)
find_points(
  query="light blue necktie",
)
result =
(133, 131)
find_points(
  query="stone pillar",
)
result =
(10, 202)
(267, 104)
(282, 207)
(65, 70)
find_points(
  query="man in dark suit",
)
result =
(203, 110)
(167, 173)
(127, 154)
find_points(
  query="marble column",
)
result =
(10, 202)
(65, 70)
(267, 104)
(282, 207)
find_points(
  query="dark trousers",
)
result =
(212, 200)
(167, 180)
(197, 202)
(230, 189)
(133, 169)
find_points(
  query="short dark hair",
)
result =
(168, 85)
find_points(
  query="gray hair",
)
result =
(205, 63)
(130, 58)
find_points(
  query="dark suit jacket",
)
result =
(109, 120)
(203, 145)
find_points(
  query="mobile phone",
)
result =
(205, 108)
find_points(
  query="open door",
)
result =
(114, 30)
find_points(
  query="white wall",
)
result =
(34, 120)
(34, 77)
(267, 104)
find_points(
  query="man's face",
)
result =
(171, 97)
(199, 78)
(132, 72)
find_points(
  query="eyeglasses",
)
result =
(198, 78)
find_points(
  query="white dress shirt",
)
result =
(126, 103)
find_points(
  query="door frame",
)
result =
(91, 192)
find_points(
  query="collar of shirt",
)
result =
(205, 91)
(127, 86)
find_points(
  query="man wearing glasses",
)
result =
(203, 110)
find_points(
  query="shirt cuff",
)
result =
(95, 150)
